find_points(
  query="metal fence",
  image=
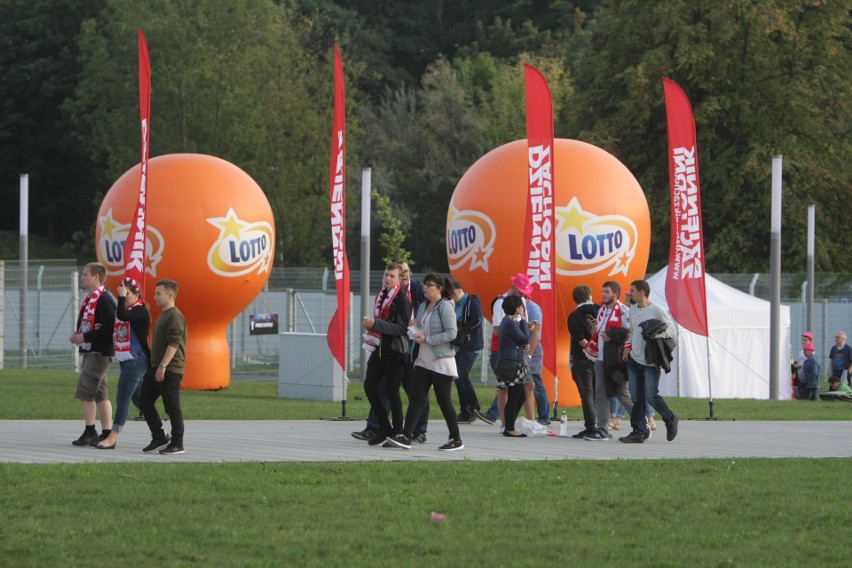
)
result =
(304, 299)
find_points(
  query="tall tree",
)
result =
(230, 79)
(39, 68)
(764, 78)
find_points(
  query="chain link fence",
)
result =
(304, 300)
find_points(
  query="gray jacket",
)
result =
(442, 329)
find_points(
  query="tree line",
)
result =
(432, 86)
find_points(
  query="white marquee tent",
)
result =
(739, 347)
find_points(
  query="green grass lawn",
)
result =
(38, 394)
(750, 512)
(753, 512)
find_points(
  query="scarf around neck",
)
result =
(614, 319)
(87, 314)
(121, 336)
(384, 300)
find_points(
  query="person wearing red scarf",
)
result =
(94, 339)
(386, 339)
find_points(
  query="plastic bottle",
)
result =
(563, 424)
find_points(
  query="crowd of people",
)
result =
(432, 332)
(805, 369)
(107, 331)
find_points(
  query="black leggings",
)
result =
(515, 402)
(425, 379)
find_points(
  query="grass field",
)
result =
(752, 512)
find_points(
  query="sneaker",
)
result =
(399, 441)
(596, 436)
(671, 429)
(419, 438)
(465, 419)
(157, 444)
(544, 421)
(86, 439)
(364, 435)
(634, 437)
(378, 438)
(452, 445)
(582, 434)
(482, 416)
(172, 450)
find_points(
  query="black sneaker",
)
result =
(452, 445)
(671, 429)
(482, 416)
(364, 435)
(634, 437)
(419, 438)
(596, 436)
(378, 438)
(87, 439)
(465, 419)
(399, 441)
(582, 434)
(157, 444)
(172, 450)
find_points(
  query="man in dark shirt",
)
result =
(163, 377)
(94, 338)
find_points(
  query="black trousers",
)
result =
(169, 389)
(390, 366)
(583, 373)
(424, 380)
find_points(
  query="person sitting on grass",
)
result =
(836, 385)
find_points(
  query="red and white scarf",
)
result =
(87, 314)
(121, 336)
(384, 299)
(615, 320)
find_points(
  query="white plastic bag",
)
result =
(530, 427)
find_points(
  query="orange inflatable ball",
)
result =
(603, 231)
(210, 228)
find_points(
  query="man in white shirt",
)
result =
(646, 374)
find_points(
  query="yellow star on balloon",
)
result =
(572, 216)
(108, 225)
(230, 225)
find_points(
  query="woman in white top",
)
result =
(435, 365)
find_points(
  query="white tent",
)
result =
(739, 347)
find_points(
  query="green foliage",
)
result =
(391, 237)
(763, 78)
(431, 87)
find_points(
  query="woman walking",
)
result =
(435, 364)
(130, 337)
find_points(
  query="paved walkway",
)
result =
(49, 441)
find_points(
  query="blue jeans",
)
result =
(468, 401)
(129, 387)
(645, 388)
(541, 400)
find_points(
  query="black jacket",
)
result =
(658, 349)
(394, 330)
(100, 338)
(580, 328)
(616, 368)
(140, 322)
(472, 318)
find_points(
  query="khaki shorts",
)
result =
(92, 383)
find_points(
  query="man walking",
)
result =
(581, 324)
(163, 377)
(94, 338)
(650, 327)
